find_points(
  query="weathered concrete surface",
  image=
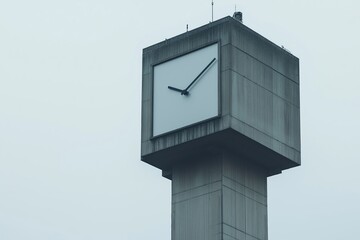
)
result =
(219, 167)
(260, 105)
(219, 197)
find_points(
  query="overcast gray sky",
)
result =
(70, 83)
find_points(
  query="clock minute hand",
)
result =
(185, 91)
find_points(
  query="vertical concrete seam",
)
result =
(222, 196)
(246, 201)
(230, 57)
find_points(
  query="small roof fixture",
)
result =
(238, 16)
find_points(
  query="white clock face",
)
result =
(186, 90)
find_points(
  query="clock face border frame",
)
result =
(152, 66)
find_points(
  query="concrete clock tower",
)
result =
(220, 114)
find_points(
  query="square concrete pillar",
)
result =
(217, 197)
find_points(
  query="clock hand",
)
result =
(185, 91)
(175, 89)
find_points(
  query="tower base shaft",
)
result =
(218, 197)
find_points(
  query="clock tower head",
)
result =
(220, 86)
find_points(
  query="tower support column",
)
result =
(219, 196)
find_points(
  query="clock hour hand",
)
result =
(183, 92)
(175, 89)
(197, 77)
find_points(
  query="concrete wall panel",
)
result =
(146, 120)
(256, 219)
(198, 218)
(202, 172)
(265, 111)
(263, 75)
(265, 51)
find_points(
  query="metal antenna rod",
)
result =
(212, 10)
